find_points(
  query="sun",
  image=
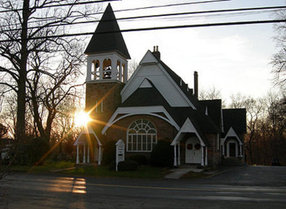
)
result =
(81, 118)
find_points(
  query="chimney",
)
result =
(196, 84)
(156, 52)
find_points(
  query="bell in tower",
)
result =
(107, 51)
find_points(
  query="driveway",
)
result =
(250, 175)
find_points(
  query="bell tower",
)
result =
(107, 72)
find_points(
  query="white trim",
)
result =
(137, 126)
(231, 133)
(130, 111)
(77, 154)
(88, 153)
(238, 143)
(99, 155)
(202, 157)
(89, 130)
(145, 84)
(187, 127)
(207, 111)
(149, 59)
(101, 106)
(206, 156)
(179, 154)
(175, 155)
(83, 160)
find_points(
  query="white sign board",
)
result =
(120, 152)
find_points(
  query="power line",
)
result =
(138, 8)
(159, 28)
(171, 14)
(60, 5)
(171, 5)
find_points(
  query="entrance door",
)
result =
(232, 152)
(193, 151)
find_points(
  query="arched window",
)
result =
(141, 136)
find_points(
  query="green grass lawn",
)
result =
(69, 168)
(48, 166)
(104, 171)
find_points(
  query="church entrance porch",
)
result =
(193, 151)
(88, 147)
(190, 150)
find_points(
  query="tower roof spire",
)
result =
(107, 36)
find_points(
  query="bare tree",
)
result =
(279, 59)
(255, 113)
(29, 32)
(49, 89)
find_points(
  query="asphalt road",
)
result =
(243, 187)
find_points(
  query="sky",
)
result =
(231, 59)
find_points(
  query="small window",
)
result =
(101, 106)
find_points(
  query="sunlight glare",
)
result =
(81, 118)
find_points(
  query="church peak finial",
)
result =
(107, 36)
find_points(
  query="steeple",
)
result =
(107, 36)
(107, 51)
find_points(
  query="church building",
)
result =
(153, 104)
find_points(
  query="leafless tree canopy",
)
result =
(279, 59)
(38, 64)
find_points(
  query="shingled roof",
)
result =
(235, 118)
(213, 110)
(107, 36)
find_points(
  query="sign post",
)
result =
(120, 152)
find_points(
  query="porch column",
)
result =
(87, 153)
(88, 74)
(202, 160)
(227, 150)
(240, 150)
(175, 155)
(83, 160)
(223, 151)
(120, 72)
(77, 154)
(206, 156)
(179, 154)
(99, 155)
(100, 69)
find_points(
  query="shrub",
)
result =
(127, 165)
(109, 152)
(140, 159)
(31, 151)
(162, 154)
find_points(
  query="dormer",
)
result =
(107, 52)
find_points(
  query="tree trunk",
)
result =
(21, 94)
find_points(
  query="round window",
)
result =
(189, 146)
(197, 146)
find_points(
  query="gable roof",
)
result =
(180, 83)
(151, 68)
(235, 118)
(152, 97)
(107, 36)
